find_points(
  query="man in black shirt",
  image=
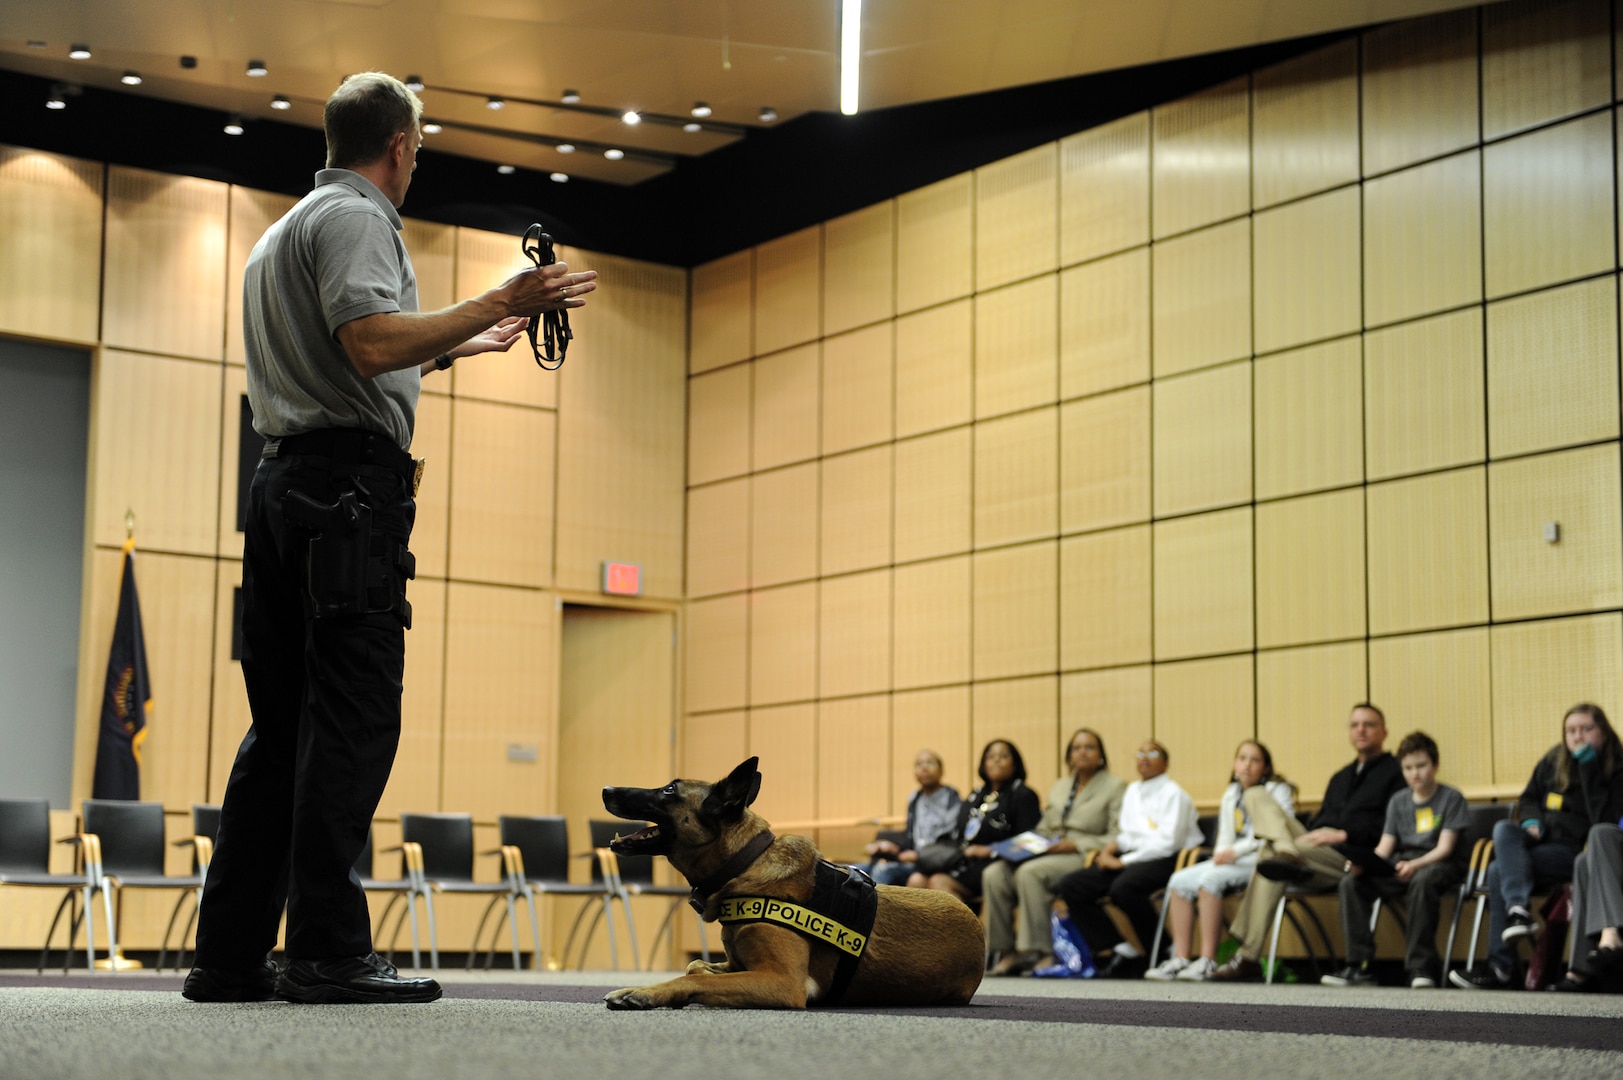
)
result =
(1353, 812)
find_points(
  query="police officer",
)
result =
(336, 350)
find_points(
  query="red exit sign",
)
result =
(622, 579)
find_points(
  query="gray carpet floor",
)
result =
(135, 1026)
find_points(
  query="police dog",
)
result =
(925, 947)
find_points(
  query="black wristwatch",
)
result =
(443, 361)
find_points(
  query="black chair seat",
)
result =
(25, 860)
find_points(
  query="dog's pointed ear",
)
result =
(729, 797)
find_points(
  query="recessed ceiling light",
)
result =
(432, 128)
(571, 97)
(233, 125)
(130, 78)
(565, 148)
(691, 127)
(414, 83)
(700, 110)
(58, 99)
(257, 69)
(507, 170)
(614, 155)
(494, 103)
(631, 117)
(79, 52)
(768, 114)
(559, 178)
(280, 103)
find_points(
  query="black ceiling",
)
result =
(772, 182)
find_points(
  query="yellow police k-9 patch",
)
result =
(811, 923)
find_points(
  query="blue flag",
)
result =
(126, 700)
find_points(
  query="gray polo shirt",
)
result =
(335, 257)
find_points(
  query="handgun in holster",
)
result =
(352, 570)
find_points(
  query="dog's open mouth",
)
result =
(653, 840)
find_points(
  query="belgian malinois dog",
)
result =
(923, 947)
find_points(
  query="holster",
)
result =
(352, 569)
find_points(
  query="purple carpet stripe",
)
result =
(1491, 1028)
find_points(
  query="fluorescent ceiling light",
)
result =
(850, 54)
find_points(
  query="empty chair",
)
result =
(439, 851)
(25, 861)
(636, 878)
(398, 889)
(205, 828)
(1479, 842)
(536, 851)
(131, 838)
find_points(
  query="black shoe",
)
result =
(363, 979)
(1124, 967)
(1293, 873)
(1519, 924)
(1482, 976)
(1350, 976)
(231, 984)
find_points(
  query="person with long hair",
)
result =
(1003, 806)
(1576, 785)
(1202, 886)
(1084, 810)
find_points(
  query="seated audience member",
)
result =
(1003, 806)
(1234, 854)
(1353, 812)
(1597, 898)
(1579, 783)
(1157, 821)
(1422, 841)
(1082, 815)
(932, 814)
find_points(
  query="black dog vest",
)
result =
(840, 912)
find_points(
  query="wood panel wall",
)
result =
(533, 480)
(1205, 423)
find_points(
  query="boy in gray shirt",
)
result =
(1421, 842)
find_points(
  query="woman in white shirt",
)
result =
(1204, 885)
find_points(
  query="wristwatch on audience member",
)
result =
(443, 361)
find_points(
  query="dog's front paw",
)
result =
(633, 997)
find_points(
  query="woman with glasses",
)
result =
(1083, 810)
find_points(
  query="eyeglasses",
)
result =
(1148, 755)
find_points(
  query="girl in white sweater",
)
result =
(1204, 885)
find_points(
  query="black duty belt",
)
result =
(349, 446)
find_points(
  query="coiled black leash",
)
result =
(550, 350)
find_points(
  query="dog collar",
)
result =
(741, 861)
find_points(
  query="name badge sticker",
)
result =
(1553, 801)
(1424, 821)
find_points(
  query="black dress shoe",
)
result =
(351, 979)
(231, 984)
(1293, 873)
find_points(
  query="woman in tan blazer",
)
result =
(1082, 815)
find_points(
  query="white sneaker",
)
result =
(1199, 970)
(1169, 969)
(1421, 982)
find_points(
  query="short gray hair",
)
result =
(363, 114)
